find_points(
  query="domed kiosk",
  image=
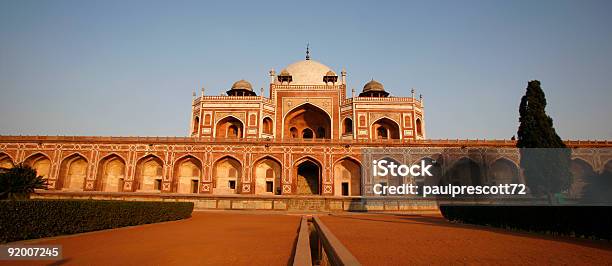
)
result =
(241, 88)
(373, 89)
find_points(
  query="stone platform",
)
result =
(253, 202)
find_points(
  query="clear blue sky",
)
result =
(129, 67)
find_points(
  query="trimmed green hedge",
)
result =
(579, 221)
(27, 219)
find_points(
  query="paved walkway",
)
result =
(208, 238)
(429, 239)
(262, 238)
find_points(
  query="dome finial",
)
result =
(307, 51)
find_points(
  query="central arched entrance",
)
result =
(307, 121)
(385, 128)
(229, 127)
(308, 177)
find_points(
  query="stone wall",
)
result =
(268, 203)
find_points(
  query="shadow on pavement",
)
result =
(439, 221)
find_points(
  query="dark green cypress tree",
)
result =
(544, 157)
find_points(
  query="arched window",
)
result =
(320, 133)
(294, 132)
(348, 126)
(418, 127)
(267, 125)
(307, 133)
(196, 124)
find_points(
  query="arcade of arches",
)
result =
(185, 176)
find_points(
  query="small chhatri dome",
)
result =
(330, 73)
(242, 85)
(285, 73)
(373, 89)
(241, 88)
(373, 85)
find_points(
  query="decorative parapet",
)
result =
(308, 87)
(242, 99)
(361, 142)
(399, 100)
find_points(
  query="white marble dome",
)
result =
(308, 72)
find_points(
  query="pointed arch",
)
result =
(464, 171)
(347, 177)
(229, 127)
(6, 161)
(267, 172)
(40, 162)
(187, 174)
(307, 116)
(347, 126)
(308, 171)
(503, 171)
(268, 125)
(73, 172)
(149, 174)
(227, 175)
(385, 128)
(111, 173)
(582, 174)
(307, 157)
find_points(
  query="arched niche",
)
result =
(227, 176)
(347, 177)
(149, 174)
(73, 172)
(6, 161)
(503, 171)
(229, 127)
(41, 163)
(268, 126)
(385, 128)
(308, 116)
(187, 175)
(267, 174)
(111, 174)
(308, 172)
